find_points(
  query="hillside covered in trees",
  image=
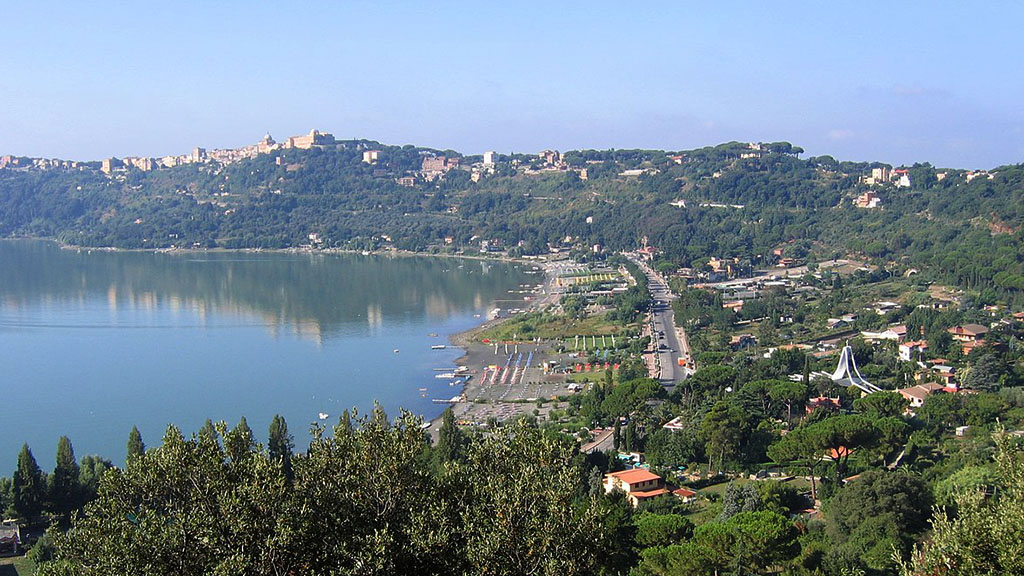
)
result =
(732, 200)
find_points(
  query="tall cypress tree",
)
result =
(451, 441)
(208, 431)
(239, 443)
(28, 487)
(65, 489)
(135, 445)
(344, 427)
(280, 445)
(630, 439)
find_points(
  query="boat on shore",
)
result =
(452, 400)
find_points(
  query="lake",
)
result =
(93, 342)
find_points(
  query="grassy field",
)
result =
(588, 342)
(592, 376)
(17, 566)
(553, 327)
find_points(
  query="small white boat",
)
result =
(396, 350)
(445, 375)
(322, 415)
(438, 347)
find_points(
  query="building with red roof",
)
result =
(638, 484)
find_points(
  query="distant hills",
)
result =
(754, 202)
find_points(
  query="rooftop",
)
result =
(635, 475)
(649, 493)
(969, 329)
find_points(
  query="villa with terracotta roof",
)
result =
(831, 404)
(968, 332)
(917, 394)
(639, 485)
(970, 336)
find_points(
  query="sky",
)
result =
(895, 82)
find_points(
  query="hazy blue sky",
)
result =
(892, 81)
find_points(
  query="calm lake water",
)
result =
(92, 343)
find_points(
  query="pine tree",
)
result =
(239, 442)
(135, 445)
(737, 498)
(208, 432)
(91, 471)
(28, 486)
(344, 427)
(280, 445)
(378, 417)
(65, 489)
(451, 441)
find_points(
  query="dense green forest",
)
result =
(373, 496)
(737, 204)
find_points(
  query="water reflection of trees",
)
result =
(314, 294)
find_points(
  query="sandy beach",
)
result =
(506, 378)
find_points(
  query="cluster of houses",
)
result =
(868, 199)
(936, 374)
(899, 177)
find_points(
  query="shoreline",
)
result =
(291, 250)
(473, 353)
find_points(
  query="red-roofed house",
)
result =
(968, 332)
(648, 252)
(910, 351)
(899, 331)
(917, 394)
(970, 336)
(968, 347)
(639, 485)
(822, 402)
(685, 494)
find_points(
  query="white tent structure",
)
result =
(846, 373)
